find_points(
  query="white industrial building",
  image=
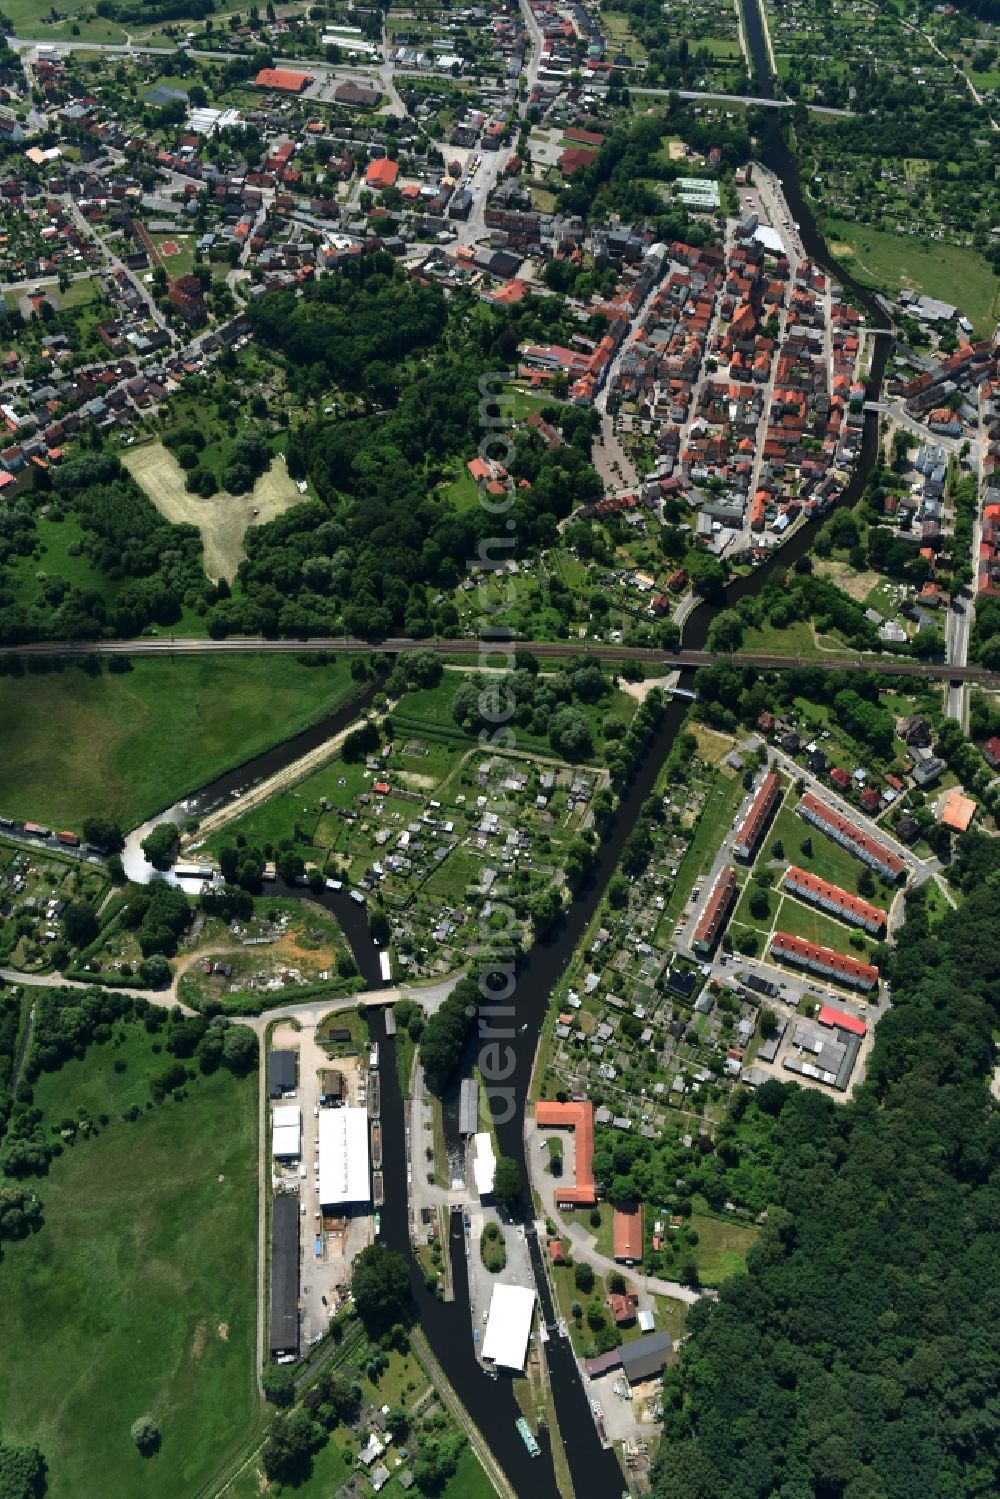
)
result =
(343, 1157)
(484, 1163)
(509, 1327)
(286, 1132)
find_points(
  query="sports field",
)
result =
(125, 747)
(222, 520)
(137, 1294)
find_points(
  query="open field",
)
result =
(33, 18)
(897, 262)
(222, 520)
(857, 585)
(142, 1279)
(129, 745)
(722, 1247)
(797, 639)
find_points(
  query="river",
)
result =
(448, 1326)
(235, 783)
(595, 1472)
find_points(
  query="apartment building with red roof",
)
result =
(716, 913)
(851, 836)
(759, 815)
(824, 961)
(850, 908)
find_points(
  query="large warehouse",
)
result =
(285, 1277)
(343, 1157)
(509, 1327)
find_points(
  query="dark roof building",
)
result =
(356, 94)
(646, 1356)
(285, 1276)
(282, 1073)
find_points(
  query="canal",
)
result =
(492, 1406)
(595, 1472)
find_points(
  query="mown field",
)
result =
(895, 262)
(222, 520)
(137, 1294)
(125, 746)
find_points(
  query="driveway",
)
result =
(585, 1244)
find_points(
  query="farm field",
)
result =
(222, 520)
(130, 744)
(143, 1279)
(898, 262)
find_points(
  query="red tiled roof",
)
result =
(803, 882)
(382, 173)
(578, 1116)
(284, 79)
(716, 910)
(761, 808)
(628, 1232)
(840, 964)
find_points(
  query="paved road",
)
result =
(585, 1244)
(158, 646)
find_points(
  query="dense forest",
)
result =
(859, 1356)
(372, 556)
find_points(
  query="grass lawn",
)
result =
(828, 859)
(130, 745)
(27, 575)
(717, 813)
(143, 1281)
(937, 903)
(33, 18)
(900, 261)
(182, 262)
(722, 1247)
(671, 1316)
(462, 491)
(796, 639)
(79, 293)
(799, 920)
